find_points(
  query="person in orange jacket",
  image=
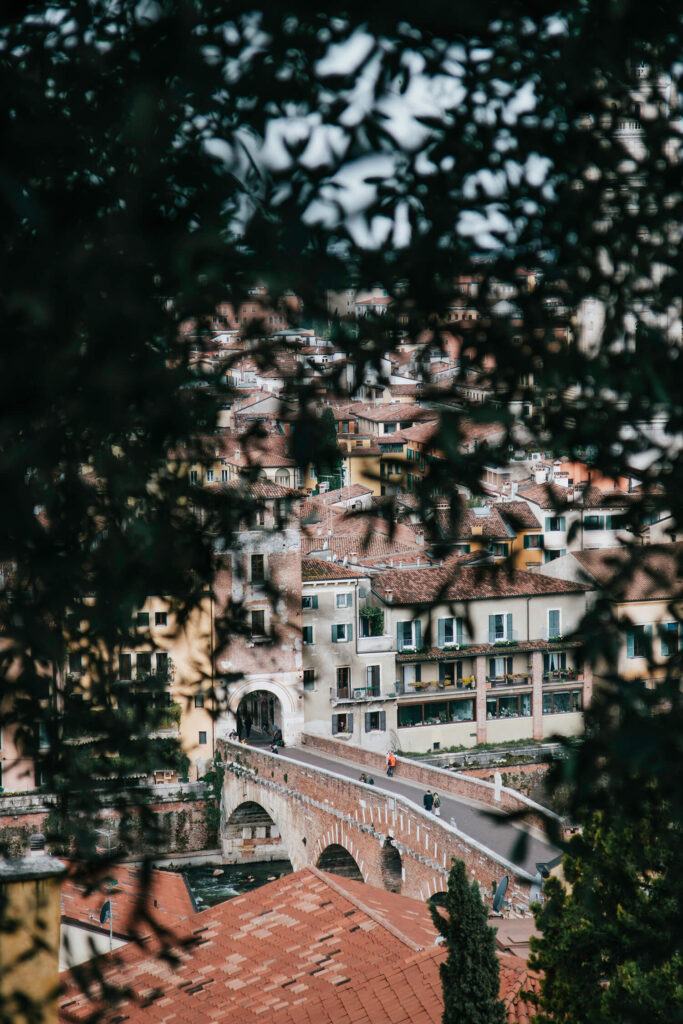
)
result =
(391, 763)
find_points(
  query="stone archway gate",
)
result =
(312, 809)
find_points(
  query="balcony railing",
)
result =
(354, 692)
(509, 679)
(563, 676)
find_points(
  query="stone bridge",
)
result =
(274, 807)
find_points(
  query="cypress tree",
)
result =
(470, 975)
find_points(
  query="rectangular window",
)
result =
(125, 666)
(161, 618)
(500, 627)
(518, 706)
(258, 622)
(143, 664)
(375, 721)
(162, 663)
(639, 642)
(554, 623)
(342, 632)
(550, 556)
(449, 631)
(389, 428)
(594, 522)
(669, 634)
(554, 524)
(199, 700)
(193, 476)
(343, 682)
(307, 634)
(142, 620)
(616, 522)
(344, 600)
(224, 476)
(409, 634)
(500, 550)
(75, 663)
(342, 724)
(309, 603)
(436, 713)
(258, 569)
(372, 680)
(554, 662)
(562, 702)
(533, 540)
(309, 679)
(202, 738)
(209, 476)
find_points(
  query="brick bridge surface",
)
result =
(275, 807)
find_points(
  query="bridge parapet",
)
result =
(502, 798)
(314, 809)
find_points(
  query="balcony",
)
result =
(563, 676)
(446, 686)
(355, 693)
(375, 644)
(509, 679)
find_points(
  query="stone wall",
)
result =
(179, 819)
(457, 783)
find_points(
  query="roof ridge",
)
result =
(373, 914)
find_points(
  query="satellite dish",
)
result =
(499, 895)
(105, 912)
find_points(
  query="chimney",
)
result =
(389, 596)
(29, 936)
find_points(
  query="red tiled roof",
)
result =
(344, 494)
(647, 572)
(318, 569)
(310, 948)
(360, 544)
(518, 515)
(553, 496)
(468, 523)
(389, 413)
(466, 583)
(165, 900)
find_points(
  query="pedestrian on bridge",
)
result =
(391, 763)
(428, 800)
(437, 805)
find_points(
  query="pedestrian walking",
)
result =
(437, 805)
(428, 800)
(391, 763)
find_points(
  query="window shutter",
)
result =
(314, 603)
(368, 721)
(383, 721)
(349, 631)
(458, 631)
(546, 663)
(509, 667)
(630, 644)
(362, 592)
(492, 629)
(418, 634)
(492, 667)
(563, 523)
(553, 623)
(508, 635)
(399, 636)
(648, 631)
(349, 719)
(441, 632)
(334, 634)
(335, 725)
(548, 525)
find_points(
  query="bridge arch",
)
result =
(391, 866)
(336, 859)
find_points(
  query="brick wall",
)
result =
(181, 824)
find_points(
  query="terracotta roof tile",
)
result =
(641, 573)
(518, 515)
(318, 569)
(467, 583)
(307, 949)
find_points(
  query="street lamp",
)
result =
(107, 908)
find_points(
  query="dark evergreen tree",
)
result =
(610, 949)
(470, 975)
(328, 465)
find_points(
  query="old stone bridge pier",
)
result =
(274, 807)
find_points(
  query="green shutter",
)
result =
(418, 634)
(509, 626)
(441, 632)
(315, 601)
(458, 630)
(383, 721)
(492, 629)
